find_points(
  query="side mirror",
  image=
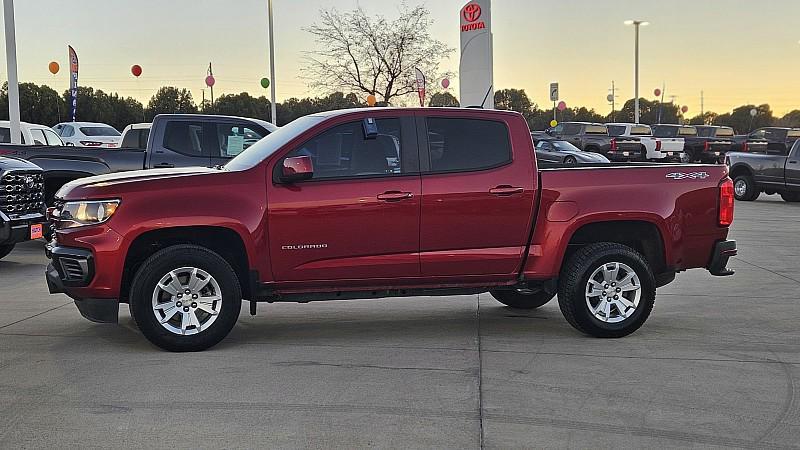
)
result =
(298, 168)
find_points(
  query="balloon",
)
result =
(265, 82)
(562, 105)
(445, 83)
(210, 81)
(553, 122)
(684, 109)
(53, 67)
(657, 92)
(371, 100)
(136, 70)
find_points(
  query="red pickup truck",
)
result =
(385, 202)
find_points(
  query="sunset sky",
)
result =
(736, 51)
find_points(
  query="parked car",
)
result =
(593, 137)
(653, 148)
(705, 149)
(88, 134)
(754, 173)
(315, 212)
(31, 134)
(775, 140)
(22, 210)
(562, 152)
(176, 140)
(136, 135)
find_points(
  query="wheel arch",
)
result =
(226, 242)
(641, 235)
(740, 169)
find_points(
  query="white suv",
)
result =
(32, 134)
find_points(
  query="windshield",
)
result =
(564, 146)
(272, 143)
(99, 131)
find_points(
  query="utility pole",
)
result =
(612, 98)
(13, 80)
(702, 110)
(636, 24)
(211, 74)
(272, 66)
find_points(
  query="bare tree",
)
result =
(372, 55)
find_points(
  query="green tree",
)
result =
(38, 104)
(649, 112)
(98, 106)
(445, 99)
(741, 119)
(707, 118)
(581, 114)
(171, 100)
(790, 119)
(513, 100)
(243, 105)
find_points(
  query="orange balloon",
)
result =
(53, 66)
(371, 100)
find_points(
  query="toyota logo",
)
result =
(472, 12)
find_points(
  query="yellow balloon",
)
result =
(553, 123)
(371, 100)
(53, 66)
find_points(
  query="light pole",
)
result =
(272, 66)
(636, 24)
(13, 81)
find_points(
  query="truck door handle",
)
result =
(506, 190)
(163, 166)
(394, 196)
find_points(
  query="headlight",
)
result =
(85, 212)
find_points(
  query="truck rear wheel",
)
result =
(606, 290)
(744, 188)
(5, 250)
(791, 197)
(185, 298)
(518, 300)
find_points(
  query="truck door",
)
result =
(477, 197)
(793, 167)
(181, 143)
(358, 217)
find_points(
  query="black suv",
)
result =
(22, 209)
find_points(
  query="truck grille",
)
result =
(22, 193)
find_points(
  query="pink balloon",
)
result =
(562, 105)
(445, 83)
(657, 92)
(210, 81)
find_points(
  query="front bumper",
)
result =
(100, 310)
(723, 251)
(19, 230)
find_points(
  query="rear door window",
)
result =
(185, 137)
(38, 137)
(52, 138)
(457, 145)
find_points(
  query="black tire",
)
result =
(570, 160)
(574, 279)
(750, 192)
(5, 250)
(172, 258)
(519, 300)
(791, 197)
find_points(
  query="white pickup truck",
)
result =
(653, 148)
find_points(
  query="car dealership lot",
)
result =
(718, 363)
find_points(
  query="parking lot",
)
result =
(717, 364)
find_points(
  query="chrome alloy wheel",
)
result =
(613, 292)
(187, 301)
(740, 188)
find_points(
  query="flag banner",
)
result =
(73, 83)
(421, 87)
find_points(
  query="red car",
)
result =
(385, 202)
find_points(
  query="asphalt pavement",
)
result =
(716, 365)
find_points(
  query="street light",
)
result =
(636, 24)
(272, 65)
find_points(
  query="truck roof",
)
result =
(261, 122)
(343, 112)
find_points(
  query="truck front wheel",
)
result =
(185, 298)
(5, 250)
(606, 290)
(518, 300)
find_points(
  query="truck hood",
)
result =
(121, 182)
(8, 163)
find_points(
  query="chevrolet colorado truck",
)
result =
(754, 173)
(175, 140)
(385, 202)
(653, 148)
(22, 210)
(594, 137)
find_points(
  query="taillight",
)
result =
(658, 146)
(91, 143)
(706, 146)
(613, 144)
(744, 147)
(726, 202)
